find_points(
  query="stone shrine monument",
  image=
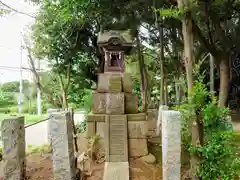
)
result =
(115, 114)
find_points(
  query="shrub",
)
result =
(215, 152)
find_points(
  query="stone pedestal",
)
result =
(13, 137)
(64, 166)
(171, 145)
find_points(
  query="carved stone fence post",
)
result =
(171, 145)
(13, 137)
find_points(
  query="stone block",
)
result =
(99, 103)
(109, 83)
(152, 114)
(100, 128)
(115, 103)
(171, 144)
(90, 129)
(137, 147)
(13, 137)
(95, 118)
(131, 103)
(137, 117)
(137, 129)
(62, 146)
(127, 82)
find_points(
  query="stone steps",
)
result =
(116, 171)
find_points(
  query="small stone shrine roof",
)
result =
(114, 37)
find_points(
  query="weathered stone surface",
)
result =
(159, 120)
(137, 117)
(115, 103)
(127, 82)
(95, 118)
(137, 147)
(137, 129)
(64, 166)
(109, 83)
(131, 103)
(116, 171)
(152, 114)
(99, 103)
(90, 129)
(116, 138)
(150, 159)
(100, 128)
(49, 112)
(13, 137)
(171, 145)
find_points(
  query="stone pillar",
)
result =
(13, 137)
(159, 120)
(49, 112)
(171, 145)
(64, 166)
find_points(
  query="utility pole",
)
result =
(39, 105)
(20, 98)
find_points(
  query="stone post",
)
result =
(63, 158)
(171, 145)
(49, 112)
(159, 120)
(13, 137)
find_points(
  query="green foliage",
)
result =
(6, 98)
(170, 12)
(81, 127)
(216, 154)
(86, 101)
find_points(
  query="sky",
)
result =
(11, 28)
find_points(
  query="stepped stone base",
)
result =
(131, 103)
(116, 171)
(137, 117)
(109, 83)
(137, 147)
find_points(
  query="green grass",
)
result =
(29, 118)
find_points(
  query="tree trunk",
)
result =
(188, 57)
(224, 81)
(64, 100)
(143, 76)
(211, 59)
(165, 92)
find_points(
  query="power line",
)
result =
(16, 11)
(17, 68)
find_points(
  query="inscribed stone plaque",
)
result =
(13, 137)
(117, 147)
(171, 145)
(62, 146)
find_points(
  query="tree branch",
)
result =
(208, 47)
(15, 10)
